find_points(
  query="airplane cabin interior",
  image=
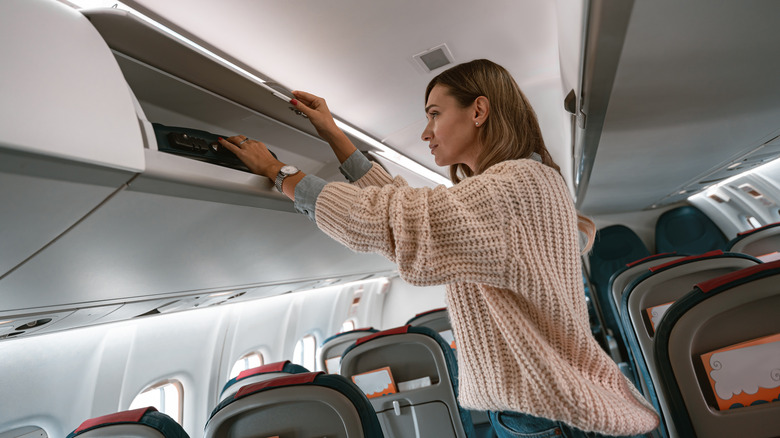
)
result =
(150, 285)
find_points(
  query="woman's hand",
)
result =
(317, 111)
(319, 115)
(254, 154)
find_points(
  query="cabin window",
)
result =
(247, 361)
(305, 353)
(167, 397)
(347, 326)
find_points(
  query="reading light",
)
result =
(385, 151)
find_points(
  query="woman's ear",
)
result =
(481, 110)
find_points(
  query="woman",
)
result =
(504, 241)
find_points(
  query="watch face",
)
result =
(289, 170)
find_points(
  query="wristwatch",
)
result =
(284, 172)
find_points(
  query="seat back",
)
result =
(611, 308)
(260, 374)
(687, 230)
(729, 311)
(137, 423)
(761, 242)
(437, 320)
(613, 248)
(329, 354)
(419, 399)
(647, 298)
(297, 406)
(624, 276)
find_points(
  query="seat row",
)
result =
(675, 359)
(400, 382)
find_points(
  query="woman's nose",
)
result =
(427, 134)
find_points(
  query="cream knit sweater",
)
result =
(505, 243)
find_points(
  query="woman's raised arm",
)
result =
(319, 115)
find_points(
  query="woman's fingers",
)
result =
(316, 109)
(252, 153)
(306, 98)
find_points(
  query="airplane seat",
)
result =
(617, 283)
(717, 355)
(329, 353)
(687, 230)
(260, 374)
(296, 405)
(438, 320)
(613, 248)
(410, 376)
(648, 296)
(137, 423)
(763, 242)
(434, 319)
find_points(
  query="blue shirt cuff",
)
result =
(354, 167)
(306, 192)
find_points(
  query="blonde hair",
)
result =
(510, 132)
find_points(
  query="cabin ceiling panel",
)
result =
(358, 54)
(695, 88)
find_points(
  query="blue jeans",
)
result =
(516, 425)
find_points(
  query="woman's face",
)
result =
(451, 131)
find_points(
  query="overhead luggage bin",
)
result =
(178, 84)
(106, 226)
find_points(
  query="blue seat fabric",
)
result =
(614, 247)
(687, 230)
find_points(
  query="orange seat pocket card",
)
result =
(745, 374)
(376, 383)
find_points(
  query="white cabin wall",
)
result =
(403, 301)
(60, 379)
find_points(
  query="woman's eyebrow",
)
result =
(427, 108)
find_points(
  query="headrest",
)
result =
(338, 335)
(392, 331)
(292, 379)
(133, 416)
(706, 255)
(745, 233)
(737, 277)
(276, 367)
(649, 258)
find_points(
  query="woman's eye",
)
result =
(432, 115)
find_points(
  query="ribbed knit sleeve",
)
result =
(441, 235)
(435, 236)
